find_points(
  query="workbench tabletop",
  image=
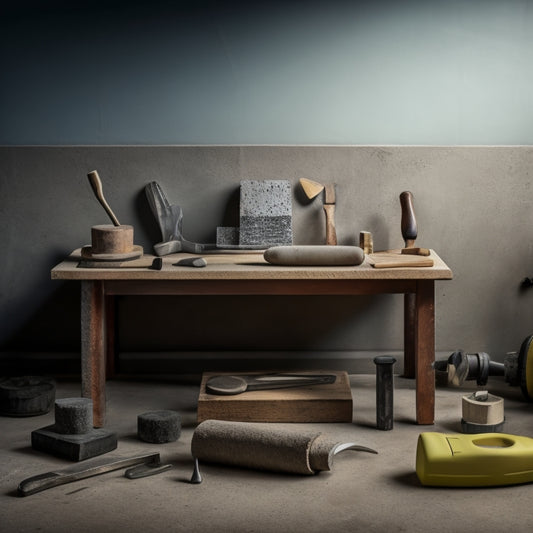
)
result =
(226, 265)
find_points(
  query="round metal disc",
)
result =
(226, 385)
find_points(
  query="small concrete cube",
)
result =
(159, 427)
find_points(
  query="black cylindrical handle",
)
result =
(409, 226)
(384, 392)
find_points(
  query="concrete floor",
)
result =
(363, 492)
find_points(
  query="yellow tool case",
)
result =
(465, 460)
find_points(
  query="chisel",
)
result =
(102, 465)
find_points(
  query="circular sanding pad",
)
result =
(159, 427)
(26, 395)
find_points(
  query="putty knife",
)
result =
(229, 385)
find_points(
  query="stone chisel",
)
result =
(229, 385)
(51, 479)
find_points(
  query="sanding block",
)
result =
(462, 460)
(260, 446)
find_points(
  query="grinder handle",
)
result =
(409, 226)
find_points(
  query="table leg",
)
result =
(409, 335)
(93, 354)
(425, 352)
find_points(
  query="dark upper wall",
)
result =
(285, 72)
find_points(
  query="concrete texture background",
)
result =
(472, 205)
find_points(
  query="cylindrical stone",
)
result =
(108, 239)
(26, 395)
(159, 427)
(384, 392)
(74, 416)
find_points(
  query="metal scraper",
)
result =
(151, 465)
(229, 385)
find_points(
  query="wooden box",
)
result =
(316, 403)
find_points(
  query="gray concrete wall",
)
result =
(473, 206)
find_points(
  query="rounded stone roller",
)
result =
(159, 427)
(315, 255)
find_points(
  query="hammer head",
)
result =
(313, 188)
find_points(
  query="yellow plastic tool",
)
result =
(479, 460)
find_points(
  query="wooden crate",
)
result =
(317, 403)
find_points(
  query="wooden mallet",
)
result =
(312, 189)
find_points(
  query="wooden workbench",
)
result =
(248, 274)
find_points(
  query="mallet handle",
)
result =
(409, 226)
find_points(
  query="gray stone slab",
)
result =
(265, 213)
(73, 447)
(266, 231)
(227, 236)
(266, 198)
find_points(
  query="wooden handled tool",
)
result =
(311, 189)
(409, 226)
(96, 184)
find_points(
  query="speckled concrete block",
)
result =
(159, 427)
(227, 236)
(265, 213)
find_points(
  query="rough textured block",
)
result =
(73, 416)
(227, 236)
(265, 213)
(73, 447)
(26, 395)
(159, 426)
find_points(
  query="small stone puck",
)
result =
(159, 427)
(74, 416)
(26, 395)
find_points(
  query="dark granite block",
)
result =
(73, 447)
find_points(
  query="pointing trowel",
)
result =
(312, 189)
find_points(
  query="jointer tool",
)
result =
(230, 385)
(409, 226)
(150, 464)
(265, 446)
(312, 189)
(170, 219)
(485, 460)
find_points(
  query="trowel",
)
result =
(312, 189)
(170, 218)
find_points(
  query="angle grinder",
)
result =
(517, 368)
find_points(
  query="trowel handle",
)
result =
(409, 227)
(96, 184)
(331, 232)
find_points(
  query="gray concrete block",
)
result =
(227, 236)
(73, 416)
(265, 213)
(73, 447)
(159, 426)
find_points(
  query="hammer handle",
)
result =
(96, 184)
(409, 227)
(331, 232)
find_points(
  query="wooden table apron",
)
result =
(97, 297)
